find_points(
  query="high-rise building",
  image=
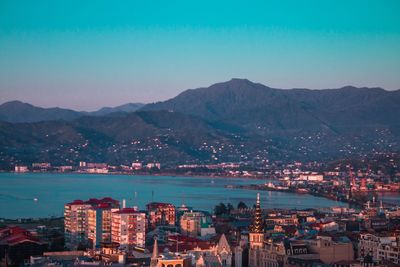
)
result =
(99, 222)
(75, 223)
(128, 227)
(161, 214)
(76, 219)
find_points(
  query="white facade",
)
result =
(369, 244)
(128, 227)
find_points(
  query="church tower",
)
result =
(256, 236)
(154, 256)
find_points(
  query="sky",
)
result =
(88, 54)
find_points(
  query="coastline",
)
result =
(172, 174)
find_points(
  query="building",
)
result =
(65, 168)
(153, 166)
(196, 224)
(161, 214)
(76, 219)
(369, 244)
(313, 177)
(17, 245)
(41, 165)
(95, 165)
(97, 170)
(190, 223)
(256, 236)
(332, 250)
(137, 165)
(99, 223)
(206, 226)
(275, 252)
(20, 168)
(75, 223)
(169, 259)
(290, 219)
(128, 228)
(218, 255)
(390, 252)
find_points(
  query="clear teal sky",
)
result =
(87, 54)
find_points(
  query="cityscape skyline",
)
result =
(85, 56)
(178, 133)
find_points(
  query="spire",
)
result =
(154, 256)
(200, 261)
(223, 244)
(381, 211)
(257, 225)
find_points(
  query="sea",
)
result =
(39, 195)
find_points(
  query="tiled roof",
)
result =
(14, 235)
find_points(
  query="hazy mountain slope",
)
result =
(130, 107)
(16, 111)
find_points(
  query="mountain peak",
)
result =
(15, 103)
(240, 82)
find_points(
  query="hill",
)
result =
(17, 111)
(257, 107)
(234, 121)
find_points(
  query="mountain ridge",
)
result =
(17, 111)
(234, 121)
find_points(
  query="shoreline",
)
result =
(143, 174)
(354, 203)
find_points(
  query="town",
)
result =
(105, 231)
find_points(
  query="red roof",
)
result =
(159, 205)
(13, 235)
(95, 201)
(76, 202)
(127, 211)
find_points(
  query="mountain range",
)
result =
(235, 121)
(17, 111)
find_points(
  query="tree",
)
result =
(220, 209)
(230, 208)
(241, 205)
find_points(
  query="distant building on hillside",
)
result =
(137, 165)
(21, 168)
(153, 165)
